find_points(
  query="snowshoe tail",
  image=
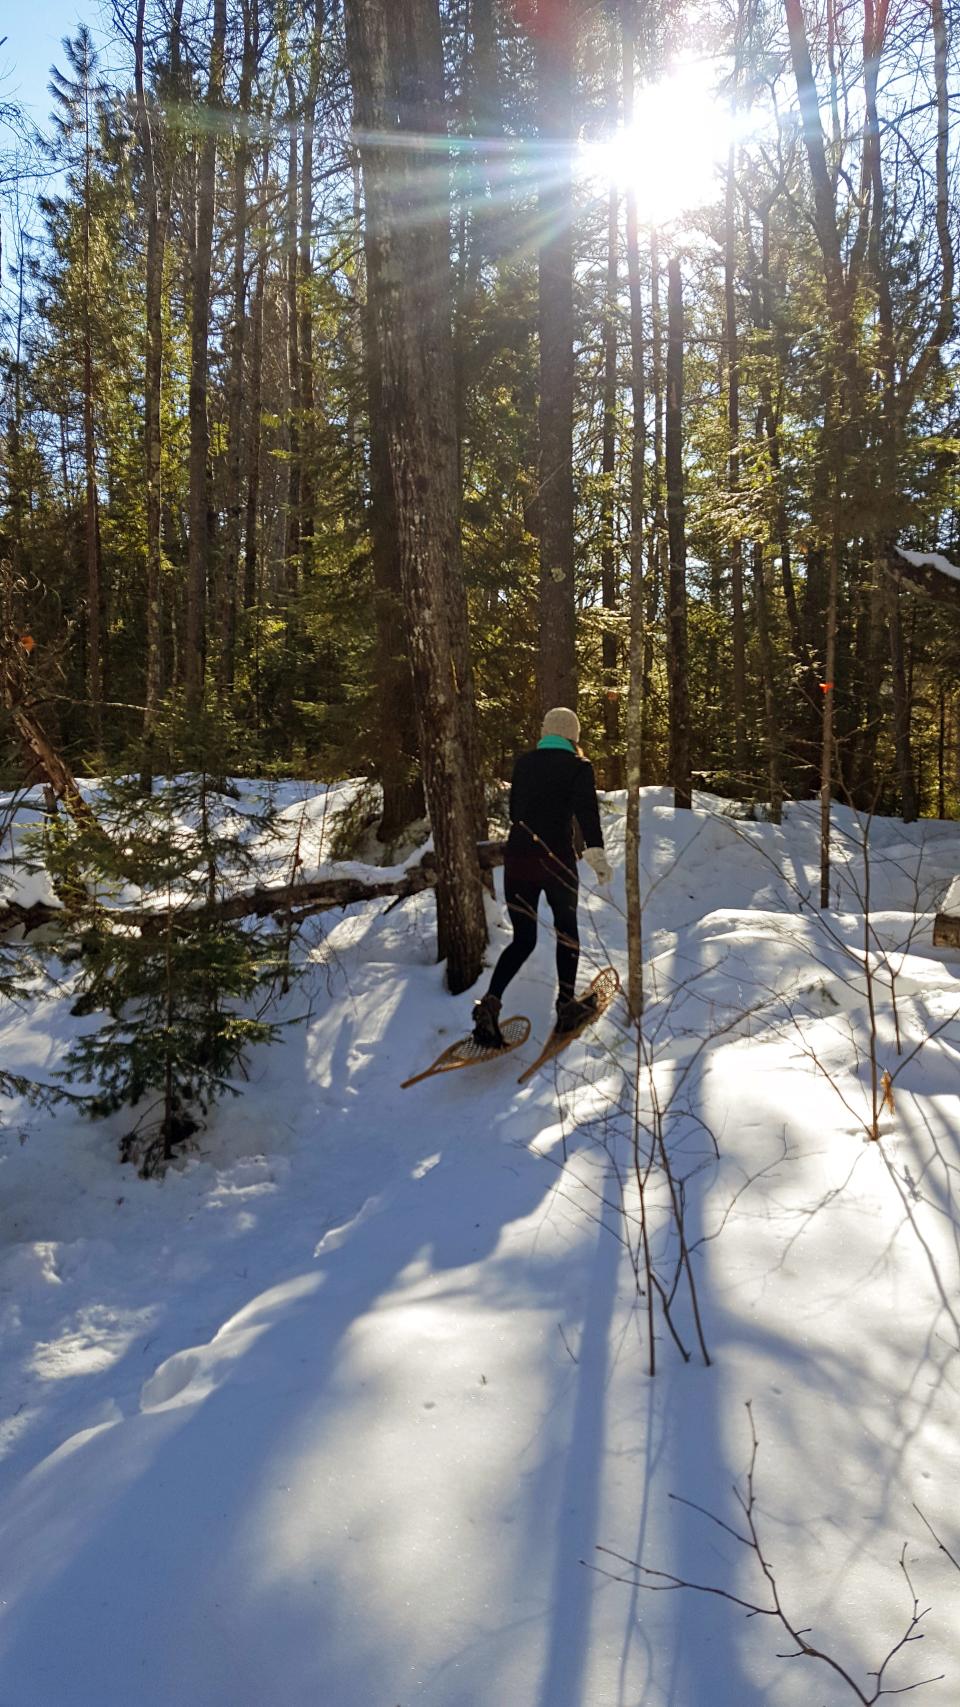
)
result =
(604, 987)
(466, 1052)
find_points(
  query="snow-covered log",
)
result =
(928, 573)
(296, 901)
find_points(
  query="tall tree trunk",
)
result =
(295, 403)
(638, 683)
(872, 650)
(308, 436)
(824, 191)
(875, 25)
(733, 471)
(251, 592)
(609, 588)
(16, 494)
(482, 181)
(803, 735)
(227, 615)
(763, 315)
(657, 543)
(901, 704)
(680, 762)
(397, 758)
(197, 562)
(941, 752)
(490, 178)
(771, 720)
(829, 693)
(92, 542)
(91, 527)
(397, 70)
(946, 317)
(159, 182)
(558, 654)
(945, 323)
(841, 381)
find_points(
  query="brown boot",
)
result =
(573, 1013)
(486, 1023)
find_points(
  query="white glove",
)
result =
(600, 865)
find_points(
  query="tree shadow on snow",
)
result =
(198, 1552)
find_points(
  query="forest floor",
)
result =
(339, 1412)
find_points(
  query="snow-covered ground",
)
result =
(340, 1412)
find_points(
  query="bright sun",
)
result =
(670, 154)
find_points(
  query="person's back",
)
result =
(552, 786)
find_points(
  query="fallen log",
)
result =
(295, 902)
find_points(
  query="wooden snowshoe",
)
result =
(466, 1053)
(605, 987)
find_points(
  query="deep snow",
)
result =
(338, 1413)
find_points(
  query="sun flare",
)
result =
(670, 154)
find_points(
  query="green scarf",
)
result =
(556, 741)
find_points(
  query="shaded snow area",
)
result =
(340, 1412)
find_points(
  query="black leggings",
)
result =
(522, 897)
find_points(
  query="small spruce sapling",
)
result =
(20, 974)
(178, 999)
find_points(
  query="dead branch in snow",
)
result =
(19, 696)
(774, 1606)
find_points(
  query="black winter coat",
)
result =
(551, 787)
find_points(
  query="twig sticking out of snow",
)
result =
(943, 1548)
(803, 1648)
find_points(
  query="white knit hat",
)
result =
(563, 722)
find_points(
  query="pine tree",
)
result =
(183, 1000)
(78, 117)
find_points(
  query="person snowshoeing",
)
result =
(551, 786)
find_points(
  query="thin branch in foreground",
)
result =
(943, 1548)
(664, 1582)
